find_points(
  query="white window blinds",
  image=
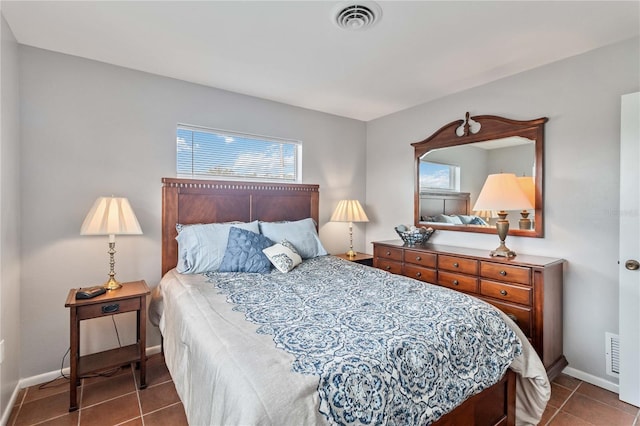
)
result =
(215, 154)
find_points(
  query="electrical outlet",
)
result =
(1, 351)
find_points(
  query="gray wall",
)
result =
(581, 97)
(90, 129)
(9, 216)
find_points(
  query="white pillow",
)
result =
(302, 234)
(283, 256)
(201, 247)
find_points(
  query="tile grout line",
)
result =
(564, 402)
(20, 404)
(137, 385)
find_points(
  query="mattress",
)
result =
(335, 342)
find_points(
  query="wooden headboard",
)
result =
(189, 201)
(446, 203)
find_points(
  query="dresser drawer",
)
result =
(389, 266)
(458, 264)
(420, 273)
(458, 282)
(507, 292)
(420, 258)
(107, 308)
(388, 253)
(498, 271)
(519, 314)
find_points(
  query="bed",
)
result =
(450, 208)
(234, 361)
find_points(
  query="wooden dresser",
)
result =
(527, 288)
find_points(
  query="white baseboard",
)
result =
(594, 380)
(43, 378)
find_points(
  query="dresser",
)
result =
(527, 288)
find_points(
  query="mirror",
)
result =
(452, 165)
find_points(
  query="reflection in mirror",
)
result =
(453, 164)
(456, 174)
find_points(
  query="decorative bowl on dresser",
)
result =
(527, 288)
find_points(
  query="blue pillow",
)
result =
(244, 252)
(301, 234)
(201, 247)
(477, 221)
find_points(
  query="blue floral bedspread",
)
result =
(387, 349)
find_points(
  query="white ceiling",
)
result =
(292, 52)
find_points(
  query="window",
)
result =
(210, 153)
(439, 176)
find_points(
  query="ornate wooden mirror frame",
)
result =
(484, 128)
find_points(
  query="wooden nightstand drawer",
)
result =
(108, 308)
(388, 253)
(520, 315)
(507, 292)
(498, 271)
(419, 273)
(389, 266)
(420, 258)
(458, 282)
(458, 264)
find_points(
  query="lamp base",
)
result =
(524, 222)
(503, 251)
(351, 254)
(112, 284)
(502, 227)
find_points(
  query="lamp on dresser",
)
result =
(529, 188)
(502, 192)
(349, 211)
(111, 216)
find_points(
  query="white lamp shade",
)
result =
(501, 191)
(349, 211)
(528, 187)
(111, 216)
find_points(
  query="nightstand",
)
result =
(132, 296)
(362, 258)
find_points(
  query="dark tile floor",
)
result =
(116, 400)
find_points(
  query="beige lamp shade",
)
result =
(501, 191)
(111, 216)
(349, 211)
(529, 188)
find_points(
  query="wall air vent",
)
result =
(612, 352)
(357, 16)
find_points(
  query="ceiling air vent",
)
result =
(357, 16)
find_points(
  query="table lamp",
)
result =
(111, 216)
(349, 211)
(529, 188)
(502, 192)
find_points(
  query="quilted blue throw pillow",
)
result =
(244, 252)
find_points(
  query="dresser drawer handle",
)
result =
(388, 253)
(110, 309)
(513, 318)
(455, 264)
(503, 273)
(455, 282)
(418, 258)
(388, 267)
(418, 274)
(503, 292)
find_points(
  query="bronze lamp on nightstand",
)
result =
(349, 211)
(111, 216)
